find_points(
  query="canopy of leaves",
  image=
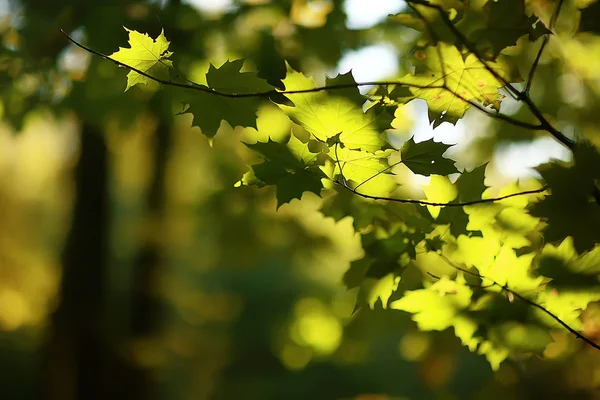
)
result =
(346, 143)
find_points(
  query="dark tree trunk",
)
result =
(74, 364)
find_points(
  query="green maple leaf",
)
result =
(209, 109)
(344, 203)
(506, 327)
(440, 306)
(270, 65)
(512, 271)
(388, 254)
(457, 219)
(506, 22)
(364, 170)
(471, 184)
(571, 209)
(351, 92)
(326, 115)
(448, 80)
(386, 257)
(145, 54)
(566, 268)
(290, 167)
(425, 158)
(513, 338)
(590, 19)
(574, 281)
(428, 21)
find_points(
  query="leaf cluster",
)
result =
(508, 263)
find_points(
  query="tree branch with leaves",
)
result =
(522, 240)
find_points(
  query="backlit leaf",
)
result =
(209, 109)
(147, 55)
(448, 80)
(425, 158)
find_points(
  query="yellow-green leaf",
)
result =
(148, 55)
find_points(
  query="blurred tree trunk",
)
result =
(146, 305)
(75, 357)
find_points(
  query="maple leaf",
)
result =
(506, 327)
(448, 80)
(457, 220)
(365, 170)
(571, 209)
(290, 167)
(384, 254)
(345, 203)
(428, 21)
(512, 271)
(590, 18)
(210, 109)
(574, 281)
(147, 55)
(506, 22)
(425, 158)
(471, 184)
(270, 65)
(439, 306)
(326, 116)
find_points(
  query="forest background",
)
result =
(138, 260)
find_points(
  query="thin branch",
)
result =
(535, 64)
(555, 15)
(193, 86)
(267, 94)
(526, 300)
(436, 204)
(545, 42)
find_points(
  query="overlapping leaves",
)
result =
(572, 209)
(291, 167)
(449, 80)
(327, 116)
(501, 272)
(226, 79)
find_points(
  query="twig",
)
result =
(542, 47)
(436, 204)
